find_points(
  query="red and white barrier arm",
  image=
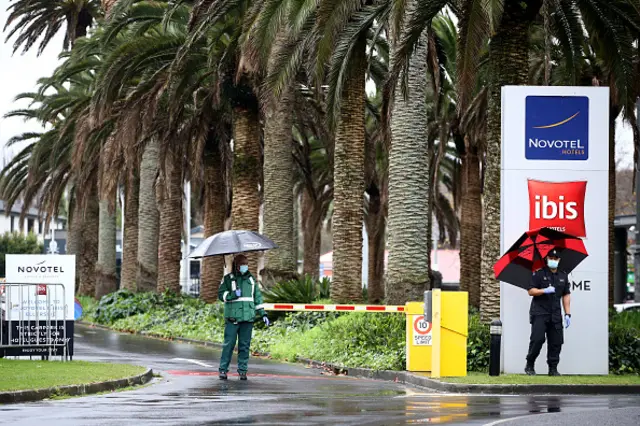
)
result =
(300, 307)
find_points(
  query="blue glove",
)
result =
(238, 292)
(567, 321)
(266, 320)
(549, 290)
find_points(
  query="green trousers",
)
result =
(242, 332)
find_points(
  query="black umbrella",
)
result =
(232, 242)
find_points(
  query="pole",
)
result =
(636, 252)
(121, 194)
(494, 348)
(186, 270)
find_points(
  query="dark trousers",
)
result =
(241, 332)
(542, 325)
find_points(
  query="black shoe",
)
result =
(553, 371)
(243, 376)
(222, 376)
(529, 370)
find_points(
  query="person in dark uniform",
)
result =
(547, 286)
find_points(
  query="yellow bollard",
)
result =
(454, 329)
(419, 338)
(440, 347)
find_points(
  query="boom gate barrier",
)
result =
(435, 345)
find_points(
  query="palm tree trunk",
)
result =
(171, 221)
(471, 226)
(106, 279)
(278, 220)
(130, 238)
(376, 236)
(409, 188)
(75, 237)
(349, 183)
(214, 215)
(508, 59)
(148, 220)
(89, 243)
(246, 173)
(312, 231)
(296, 229)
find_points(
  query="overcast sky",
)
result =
(19, 73)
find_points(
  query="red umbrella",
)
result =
(528, 252)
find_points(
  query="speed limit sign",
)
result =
(421, 331)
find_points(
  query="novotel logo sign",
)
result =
(40, 268)
(557, 128)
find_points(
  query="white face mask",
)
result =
(553, 263)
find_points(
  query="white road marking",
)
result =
(193, 361)
(498, 422)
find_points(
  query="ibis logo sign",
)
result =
(557, 128)
(557, 205)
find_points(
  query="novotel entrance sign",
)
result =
(554, 173)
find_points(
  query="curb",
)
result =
(426, 382)
(75, 390)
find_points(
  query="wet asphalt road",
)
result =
(189, 393)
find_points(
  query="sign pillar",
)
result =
(554, 173)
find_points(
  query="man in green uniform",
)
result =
(242, 300)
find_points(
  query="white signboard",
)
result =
(39, 301)
(555, 163)
(421, 331)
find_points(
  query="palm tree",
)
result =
(30, 20)
(376, 205)
(129, 266)
(340, 36)
(267, 37)
(46, 168)
(410, 197)
(314, 157)
(148, 219)
(106, 279)
(215, 200)
(238, 86)
(160, 78)
(33, 19)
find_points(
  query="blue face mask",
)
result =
(553, 263)
(244, 269)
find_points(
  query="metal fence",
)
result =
(192, 287)
(33, 320)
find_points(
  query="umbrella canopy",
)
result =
(232, 242)
(528, 252)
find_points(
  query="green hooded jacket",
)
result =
(245, 307)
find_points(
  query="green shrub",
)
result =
(324, 288)
(303, 290)
(123, 304)
(14, 243)
(624, 343)
(478, 344)
(355, 339)
(89, 306)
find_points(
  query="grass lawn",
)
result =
(22, 375)
(522, 379)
